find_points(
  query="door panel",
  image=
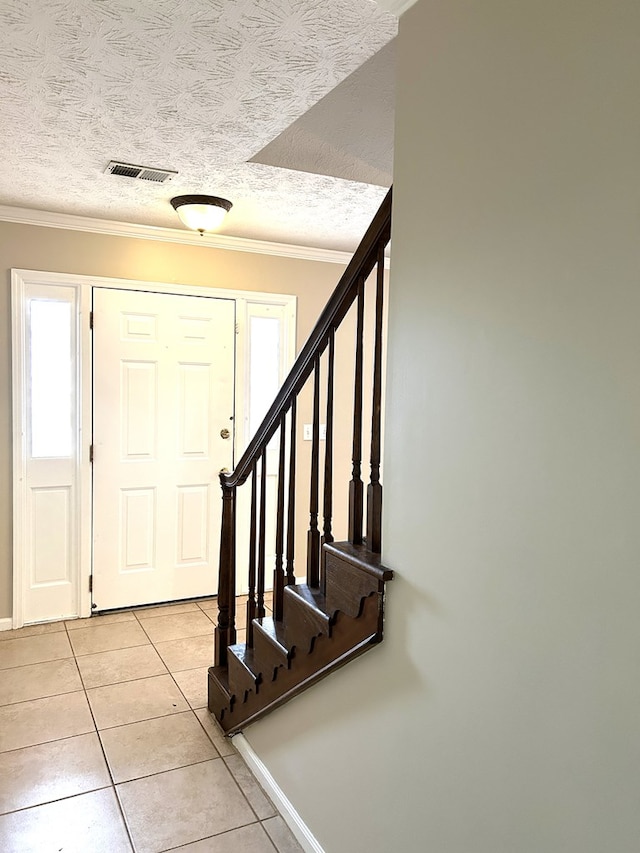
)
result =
(163, 391)
(52, 547)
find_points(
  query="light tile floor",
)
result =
(106, 744)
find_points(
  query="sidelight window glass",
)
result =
(264, 367)
(51, 382)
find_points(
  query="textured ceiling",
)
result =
(198, 86)
(347, 134)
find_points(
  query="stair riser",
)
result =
(318, 633)
(347, 586)
(349, 636)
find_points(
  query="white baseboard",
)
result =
(289, 814)
(6, 624)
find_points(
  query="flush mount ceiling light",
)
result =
(201, 212)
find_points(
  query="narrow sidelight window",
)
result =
(51, 379)
(264, 367)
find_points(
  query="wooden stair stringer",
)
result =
(350, 637)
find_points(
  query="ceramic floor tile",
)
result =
(166, 610)
(281, 835)
(258, 800)
(104, 638)
(177, 626)
(37, 649)
(99, 621)
(182, 806)
(211, 605)
(153, 746)
(241, 617)
(212, 616)
(208, 603)
(209, 723)
(132, 701)
(241, 612)
(120, 665)
(32, 630)
(51, 771)
(247, 839)
(89, 823)
(42, 720)
(193, 685)
(39, 680)
(189, 653)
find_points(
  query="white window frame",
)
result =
(258, 307)
(21, 280)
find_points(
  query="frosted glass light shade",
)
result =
(201, 212)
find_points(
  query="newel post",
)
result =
(225, 632)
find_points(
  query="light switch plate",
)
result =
(308, 432)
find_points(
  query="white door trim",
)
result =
(19, 420)
(20, 279)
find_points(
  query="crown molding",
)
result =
(47, 219)
(396, 7)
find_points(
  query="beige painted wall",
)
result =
(501, 713)
(57, 250)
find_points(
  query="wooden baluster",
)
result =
(278, 574)
(291, 514)
(374, 490)
(355, 486)
(251, 602)
(262, 544)
(225, 632)
(328, 455)
(313, 536)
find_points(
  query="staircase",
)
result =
(336, 614)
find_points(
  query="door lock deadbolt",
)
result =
(224, 433)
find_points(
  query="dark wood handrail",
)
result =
(363, 261)
(282, 417)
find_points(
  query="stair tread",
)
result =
(352, 637)
(361, 557)
(221, 675)
(309, 594)
(245, 655)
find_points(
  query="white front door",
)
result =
(163, 397)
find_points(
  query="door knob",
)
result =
(224, 433)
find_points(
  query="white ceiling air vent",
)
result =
(140, 173)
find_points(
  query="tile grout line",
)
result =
(194, 715)
(20, 665)
(40, 663)
(189, 709)
(231, 773)
(104, 754)
(222, 757)
(56, 799)
(219, 835)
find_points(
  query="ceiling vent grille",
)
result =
(140, 173)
